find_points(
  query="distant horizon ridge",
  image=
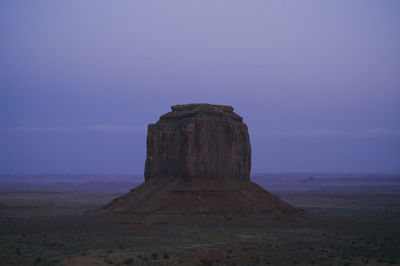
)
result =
(252, 174)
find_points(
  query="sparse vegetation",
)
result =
(206, 262)
(255, 260)
(277, 243)
(129, 261)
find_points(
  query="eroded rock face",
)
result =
(198, 141)
(198, 169)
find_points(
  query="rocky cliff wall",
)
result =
(198, 141)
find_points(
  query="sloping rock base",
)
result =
(206, 200)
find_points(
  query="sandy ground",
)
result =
(345, 225)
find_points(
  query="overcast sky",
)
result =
(317, 82)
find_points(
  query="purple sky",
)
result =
(317, 82)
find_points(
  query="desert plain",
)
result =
(351, 219)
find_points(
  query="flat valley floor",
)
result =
(348, 223)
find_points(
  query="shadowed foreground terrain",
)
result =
(353, 220)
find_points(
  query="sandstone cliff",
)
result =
(198, 168)
(198, 141)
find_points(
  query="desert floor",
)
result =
(347, 224)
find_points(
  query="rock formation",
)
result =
(198, 167)
(198, 141)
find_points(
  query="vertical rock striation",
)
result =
(198, 141)
(198, 168)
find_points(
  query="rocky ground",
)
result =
(345, 226)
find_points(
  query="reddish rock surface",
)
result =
(198, 168)
(198, 141)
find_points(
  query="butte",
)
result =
(198, 168)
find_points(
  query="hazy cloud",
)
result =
(326, 132)
(384, 132)
(313, 132)
(94, 128)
